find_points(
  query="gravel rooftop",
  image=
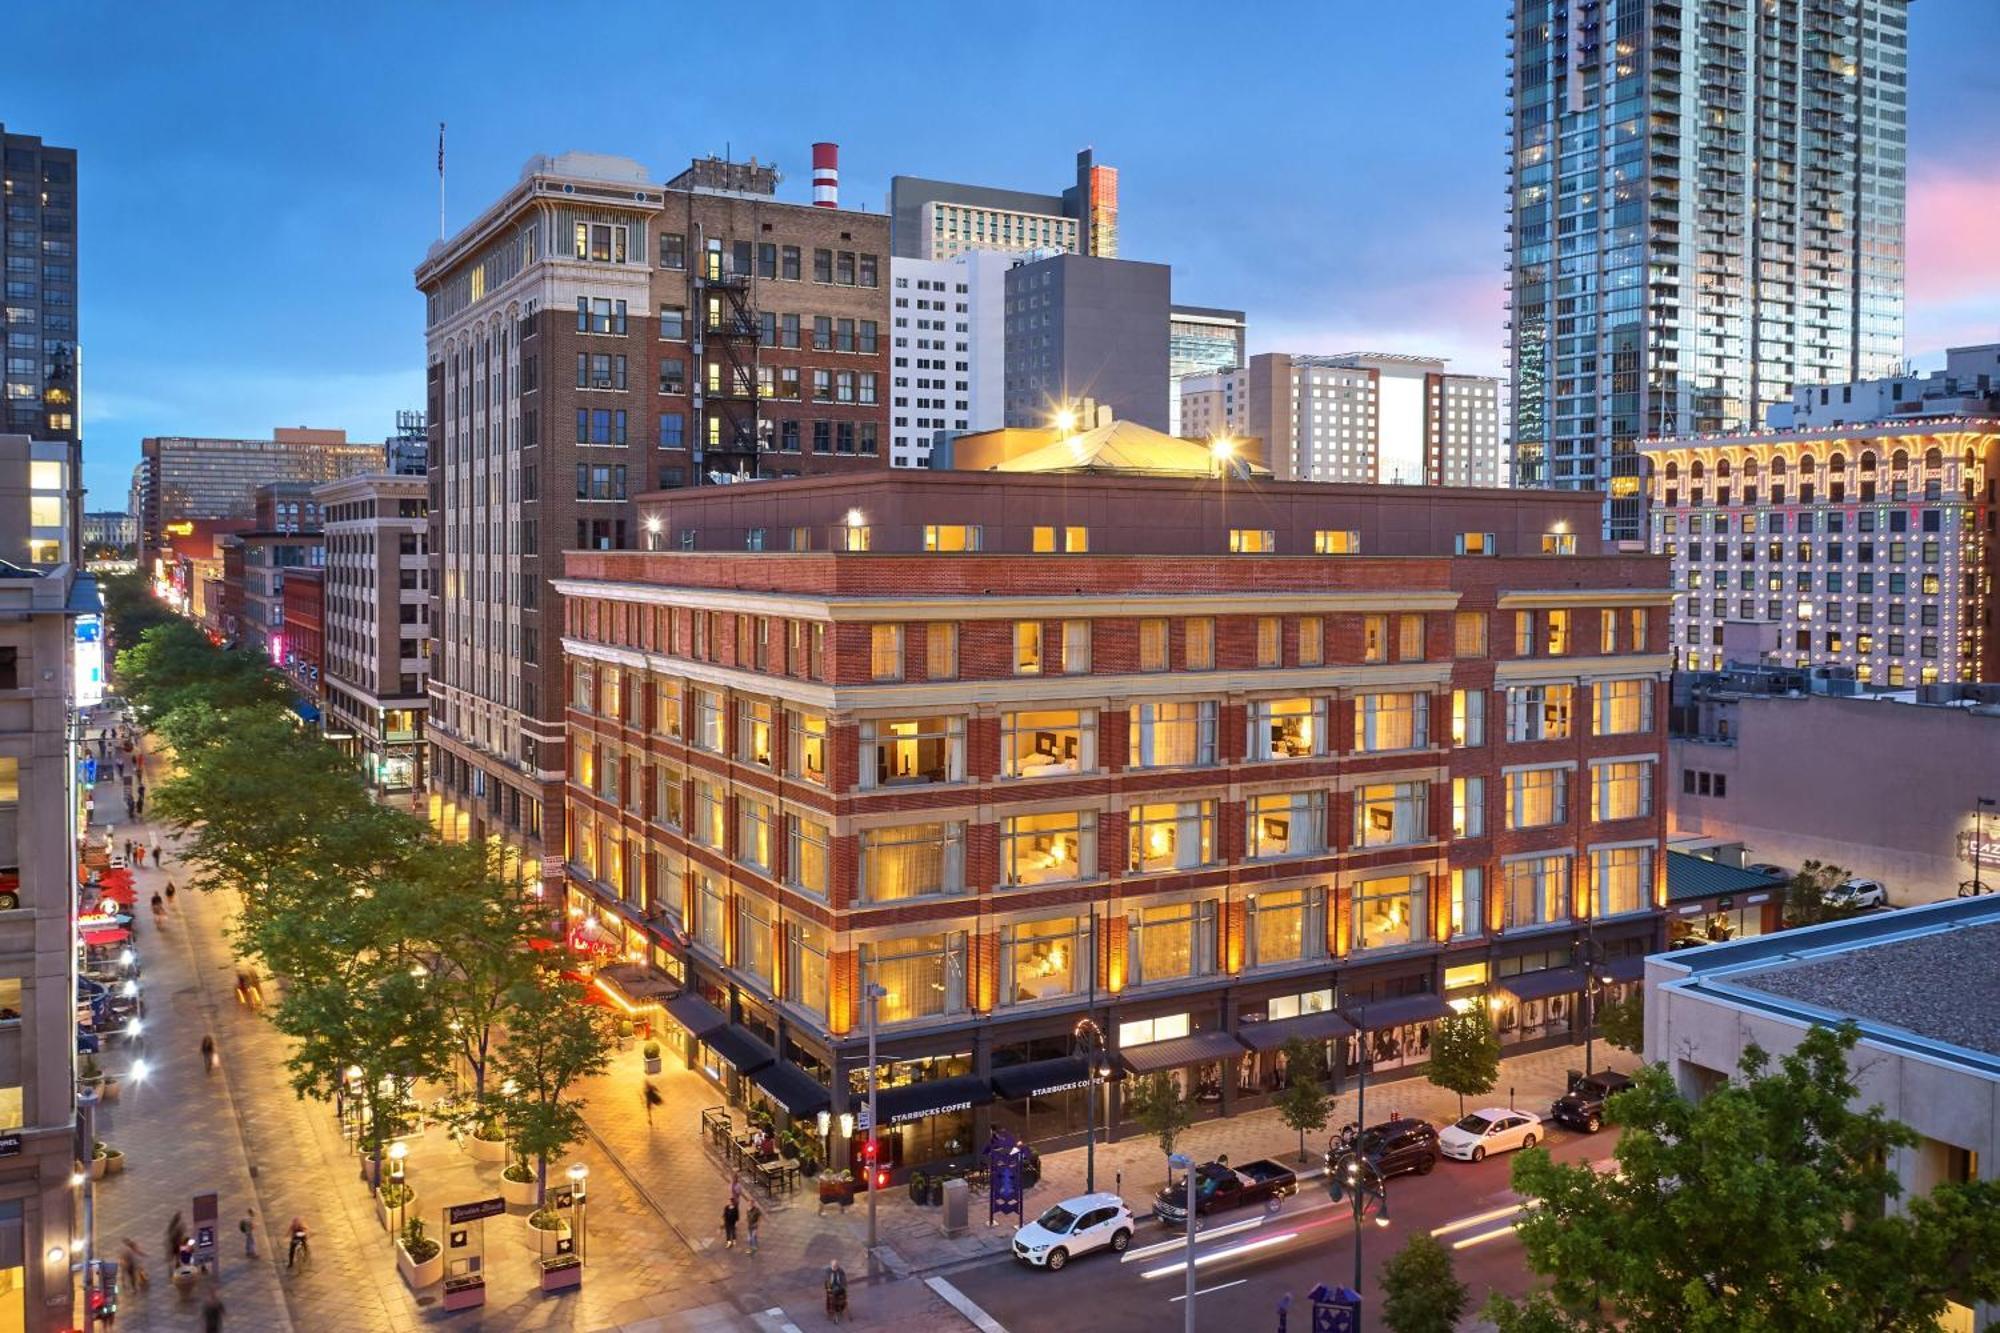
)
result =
(1943, 986)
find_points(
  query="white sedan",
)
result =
(1075, 1226)
(1495, 1129)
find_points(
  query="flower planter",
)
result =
(561, 1273)
(488, 1150)
(417, 1275)
(392, 1218)
(652, 1064)
(543, 1239)
(98, 1166)
(839, 1192)
(519, 1193)
(114, 1161)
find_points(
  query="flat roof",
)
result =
(1918, 979)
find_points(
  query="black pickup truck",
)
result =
(1582, 1107)
(1220, 1187)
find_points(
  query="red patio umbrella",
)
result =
(115, 935)
(116, 893)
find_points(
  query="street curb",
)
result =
(964, 1304)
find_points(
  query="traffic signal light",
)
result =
(868, 1151)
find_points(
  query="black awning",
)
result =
(1039, 1078)
(792, 1088)
(1632, 967)
(914, 1101)
(740, 1048)
(1269, 1036)
(1403, 1009)
(1541, 985)
(1179, 1052)
(695, 1014)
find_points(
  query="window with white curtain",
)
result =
(1624, 877)
(754, 732)
(1391, 722)
(1170, 836)
(1536, 797)
(667, 795)
(912, 861)
(1622, 790)
(711, 910)
(1038, 745)
(708, 724)
(1468, 718)
(1076, 648)
(1172, 941)
(909, 751)
(1044, 960)
(1535, 891)
(923, 976)
(1468, 902)
(756, 833)
(1178, 734)
(1624, 707)
(1287, 926)
(754, 945)
(805, 746)
(1392, 814)
(1287, 728)
(805, 854)
(806, 965)
(1285, 824)
(710, 814)
(1046, 848)
(1389, 910)
(1468, 807)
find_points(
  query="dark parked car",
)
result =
(1219, 1187)
(1395, 1146)
(1582, 1107)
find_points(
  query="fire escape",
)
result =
(726, 356)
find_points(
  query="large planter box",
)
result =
(98, 1166)
(416, 1275)
(519, 1193)
(465, 1293)
(487, 1150)
(652, 1064)
(392, 1218)
(561, 1274)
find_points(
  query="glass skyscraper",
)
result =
(1706, 210)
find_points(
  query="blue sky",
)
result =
(257, 186)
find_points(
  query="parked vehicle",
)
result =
(1075, 1226)
(1220, 1187)
(1771, 868)
(1582, 1107)
(1494, 1129)
(1859, 893)
(1393, 1147)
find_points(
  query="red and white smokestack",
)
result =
(826, 175)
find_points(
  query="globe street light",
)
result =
(578, 1175)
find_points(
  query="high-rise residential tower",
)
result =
(1706, 212)
(949, 348)
(38, 317)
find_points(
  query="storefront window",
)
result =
(1172, 735)
(1535, 891)
(1169, 837)
(1036, 745)
(1285, 824)
(1396, 1047)
(1389, 911)
(1177, 940)
(1392, 814)
(912, 861)
(907, 751)
(1042, 960)
(1287, 728)
(1047, 848)
(924, 976)
(1391, 722)
(1287, 926)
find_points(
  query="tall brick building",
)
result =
(593, 335)
(1214, 763)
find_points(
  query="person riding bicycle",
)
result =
(297, 1231)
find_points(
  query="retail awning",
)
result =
(1268, 1036)
(1039, 1078)
(1403, 1009)
(1178, 1052)
(695, 1014)
(1541, 985)
(740, 1048)
(637, 983)
(1632, 967)
(914, 1101)
(111, 936)
(793, 1088)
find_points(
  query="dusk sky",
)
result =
(258, 182)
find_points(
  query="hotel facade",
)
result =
(1027, 750)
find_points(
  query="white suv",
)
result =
(1859, 893)
(1075, 1226)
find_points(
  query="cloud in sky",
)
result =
(1953, 265)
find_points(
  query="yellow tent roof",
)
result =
(1127, 446)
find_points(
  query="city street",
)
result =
(1243, 1273)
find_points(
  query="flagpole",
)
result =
(440, 180)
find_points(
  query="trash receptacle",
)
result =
(957, 1207)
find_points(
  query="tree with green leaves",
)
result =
(1157, 1105)
(1465, 1054)
(1623, 1022)
(1303, 1105)
(1421, 1292)
(175, 664)
(1806, 897)
(130, 607)
(1764, 1207)
(554, 1037)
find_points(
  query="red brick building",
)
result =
(1214, 763)
(301, 651)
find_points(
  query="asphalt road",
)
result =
(1241, 1275)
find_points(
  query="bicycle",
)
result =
(299, 1259)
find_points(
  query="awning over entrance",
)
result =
(740, 1048)
(1177, 1052)
(636, 982)
(695, 1014)
(1040, 1078)
(914, 1101)
(1403, 1009)
(1632, 967)
(793, 1089)
(1541, 985)
(1322, 1026)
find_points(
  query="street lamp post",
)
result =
(1590, 988)
(1356, 1181)
(1185, 1164)
(1980, 805)
(871, 1154)
(397, 1152)
(579, 1174)
(1090, 1044)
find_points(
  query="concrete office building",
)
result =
(42, 814)
(1200, 341)
(38, 489)
(591, 335)
(1921, 986)
(1784, 764)
(180, 478)
(1865, 547)
(948, 349)
(939, 219)
(376, 660)
(1085, 333)
(1356, 417)
(1025, 747)
(1705, 213)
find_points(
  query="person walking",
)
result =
(248, 1226)
(135, 1265)
(159, 856)
(208, 1053)
(170, 893)
(159, 905)
(139, 854)
(130, 846)
(212, 1308)
(729, 1215)
(653, 1099)
(756, 1219)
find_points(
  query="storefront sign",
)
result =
(1758, 898)
(473, 1212)
(10, 1145)
(1060, 1087)
(935, 1110)
(1976, 850)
